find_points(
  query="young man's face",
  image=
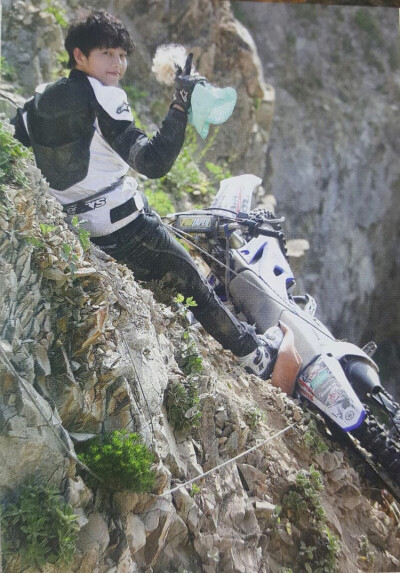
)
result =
(108, 65)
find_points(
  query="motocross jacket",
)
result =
(85, 139)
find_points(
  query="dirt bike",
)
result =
(245, 252)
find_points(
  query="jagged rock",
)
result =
(94, 537)
(156, 523)
(187, 509)
(264, 509)
(350, 496)
(110, 358)
(135, 533)
(255, 480)
(328, 461)
(31, 442)
(377, 532)
(42, 359)
(77, 493)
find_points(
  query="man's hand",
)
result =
(184, 85)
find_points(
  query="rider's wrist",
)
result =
(178, 107)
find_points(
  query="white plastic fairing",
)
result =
(324, 384)
(264, 257)
(235, 193)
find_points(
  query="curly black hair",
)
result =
(98, 30)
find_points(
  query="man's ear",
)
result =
(79, 56)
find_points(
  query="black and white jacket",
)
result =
(84, 140)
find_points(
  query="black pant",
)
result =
(152, 253)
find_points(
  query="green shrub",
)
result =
(182, 399)
(321, 556)
(188, 357)
(312, 438)
(159, 200)
(39, 527)
(184, 178)
(254, 416)
(120, 460)
(58, 13)
(7, 72)
(319, 549)
(187, 177)
(11, 152)
(365, 19)
(304, 497)
(183, 404)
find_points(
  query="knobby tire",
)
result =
(374, 438)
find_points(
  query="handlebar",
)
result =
(255, 228)
(206, 222)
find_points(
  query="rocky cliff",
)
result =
(332, 161)
(85, 349)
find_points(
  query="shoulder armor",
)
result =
(67, 95)
(112, 99)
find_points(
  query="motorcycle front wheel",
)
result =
(381, 443)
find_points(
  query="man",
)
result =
(84, 140)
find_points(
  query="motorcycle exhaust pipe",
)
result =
(363, 378)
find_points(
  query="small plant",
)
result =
(184, 305)
(321, 557)
(313, 440)
(159, 201)
(39, 527)
(186, 176)
(7, 72)
(182, 402)
(68, 253)
(217, 174)
(120, 460)
(189, 359)
(135, 94)
(58, 13)
(83, 234)
(302, 506)
(304, 497)
(277, 514)
(61, 68)
(46, 229)
(195, 489)
(11, 152)
(182, 399)
(366, 555)
(254, 416)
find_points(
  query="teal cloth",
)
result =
(210, 105)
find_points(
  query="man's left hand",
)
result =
(184, 85)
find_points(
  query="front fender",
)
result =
(324, 384)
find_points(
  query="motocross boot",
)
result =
(262, 360)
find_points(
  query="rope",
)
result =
(209, 472)
(127, 349)
(27, 389)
